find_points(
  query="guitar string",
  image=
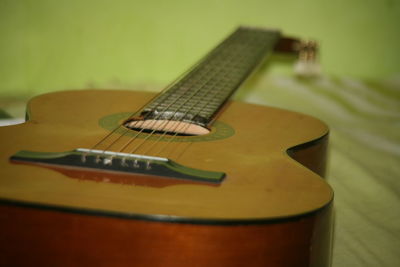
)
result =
(185, 128)
(187, 75)
(198, 67)
(126, 130)
(256, 60)
(178, 122)
(115, 129)
(174, 83)
(246, 70)
(198, 90)
(205, 104)
(162, 127)
(182, 78)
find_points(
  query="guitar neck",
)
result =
(197, 97)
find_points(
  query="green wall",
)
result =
(49, 45)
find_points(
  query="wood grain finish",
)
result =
(269, 211)
(258, 169)
(312, 155)
(37, 237)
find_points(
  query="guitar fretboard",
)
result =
(198, 96)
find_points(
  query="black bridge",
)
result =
(98, 160)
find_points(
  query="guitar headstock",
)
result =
(307, 64)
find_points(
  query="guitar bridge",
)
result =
(99, 160)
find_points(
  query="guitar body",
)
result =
(271, 209)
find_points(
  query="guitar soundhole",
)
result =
(158, 132)
(112, 122)
(166, 127)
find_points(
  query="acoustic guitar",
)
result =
(185, 177)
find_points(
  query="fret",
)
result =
(198, 96)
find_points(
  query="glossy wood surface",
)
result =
(269, 211)
(36, 237)
(262, 180)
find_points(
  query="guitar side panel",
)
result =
(312, 155)
(39, 237)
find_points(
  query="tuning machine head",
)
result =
(306, 51)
